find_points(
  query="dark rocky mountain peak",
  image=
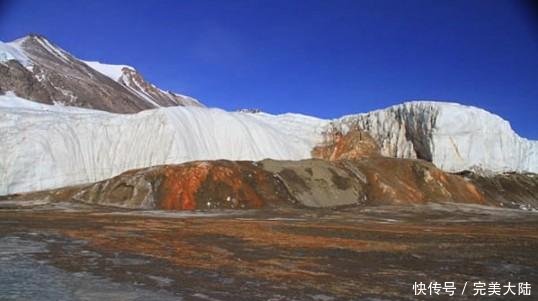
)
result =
(35, 68)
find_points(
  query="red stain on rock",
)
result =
(243, 185)
(397, 181)
(239, 190)
(216, 184)
(181, 184)
(355, 144)
(477, 195)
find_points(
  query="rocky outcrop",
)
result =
(510, 190)
(307, 183)
(15, 77)
(43, 72)
(318, 183)
(354, 144)
(398, 181)
(134, 82)
(194, 185)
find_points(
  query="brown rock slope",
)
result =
(194, 185)
(307, 183)
(399, 181)
(57, 76)
(511, 190)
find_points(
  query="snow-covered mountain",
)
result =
(37, 69)
(46, 146)
(131, 79)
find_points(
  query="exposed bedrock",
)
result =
(318, 183)
(308, 183)
(354, 144)
(194, 185)
(38, 70)
(511, 190)
(15, 77)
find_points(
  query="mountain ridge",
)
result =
(37, 69)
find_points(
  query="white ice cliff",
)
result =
(452, 136)
(45, 146)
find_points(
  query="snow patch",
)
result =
(59, 53)
(9, 51)
(113, 72)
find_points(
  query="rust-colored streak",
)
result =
(355, 144)
(181, 184)
(218, 184)
(478, 196)
(239, 189)
(398, 181)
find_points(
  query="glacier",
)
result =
(452, 136)
(45, 146)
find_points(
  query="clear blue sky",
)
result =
(323, 58)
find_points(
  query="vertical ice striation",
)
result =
(47, 146)
(452, 136)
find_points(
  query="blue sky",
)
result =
(323, 58)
